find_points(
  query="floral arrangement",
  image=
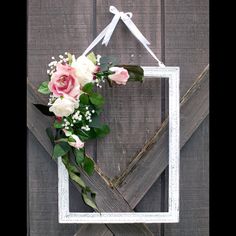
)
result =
(76, 106)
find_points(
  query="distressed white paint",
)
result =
(172, 216)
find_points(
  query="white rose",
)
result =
(84, 69)
(63, 106)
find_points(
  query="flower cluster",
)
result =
(76, 107)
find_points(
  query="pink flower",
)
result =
(64, 82)
(78, 143)
(121, 75)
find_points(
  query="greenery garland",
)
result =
(76, 108)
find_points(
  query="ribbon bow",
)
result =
(107, 32)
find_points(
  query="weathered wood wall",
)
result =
(178, 32)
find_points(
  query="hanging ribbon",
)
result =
(107, 32)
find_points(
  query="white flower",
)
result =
(84, 69)
(64, 106)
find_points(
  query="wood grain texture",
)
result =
(133, 182)
(119, 229)
(114, 152)
(51, 26)
(194, 186)
(42, 193)
(55, 27)
(94, 229)
(108, 199)
(198, 97)
(132, 111)
(187, 38)
(129, 109)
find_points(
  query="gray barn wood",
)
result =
(178, 32)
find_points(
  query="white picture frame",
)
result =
(172, 215)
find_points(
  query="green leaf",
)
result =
(84, 99)
(44, 109)
(96, 123)
(43, 88)
(71, 139)
(88, 165)
(136, 73)
(50, 135)
(91, 56)
(68, 165)
(77, 179)
(79, 155)
(89, 201)
(61, 149)
(107, 61)
(96, 99)
(86, 135)
(98, 110)
(88, 88)
(102, 131)
(57, 124)
(69, 58)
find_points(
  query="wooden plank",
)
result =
(194, 90)
(108, 199)
(187, 38)
(114, 152)
(94, 229)
(129, 109)
(194, 186)
(132, 184)
(187, 45)
(42, 193)
(117, 229)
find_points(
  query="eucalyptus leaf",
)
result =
(50, 134)
(43, 88)
(96, 123)
(88, 165)
(89, 201)
(61, 149)
(79, 155)
(107, 61)
(77, 179)
(102, 131)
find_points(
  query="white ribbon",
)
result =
(107, 32)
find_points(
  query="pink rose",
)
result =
(121, 75)
(78, 143)
(64, 82)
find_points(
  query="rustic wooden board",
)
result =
(108, 199)
(187, 38)
(194, 186)
(132, 111)
(186, 45)
(196, 96)
(129, 109)
(42, 193)
(114, 152)
(133, 182)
